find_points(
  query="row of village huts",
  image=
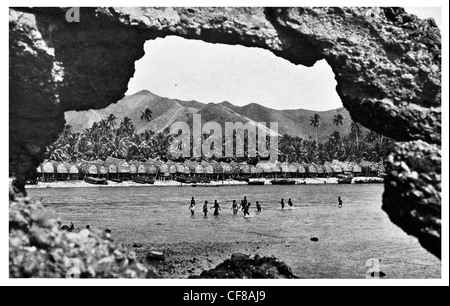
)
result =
(113, 168)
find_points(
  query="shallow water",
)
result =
(348, 236)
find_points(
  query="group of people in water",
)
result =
(244, 206)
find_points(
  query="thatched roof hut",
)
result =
(73, 169)
(244, 168)
(285, 168)
(47, 167)
(122, 165)
(208, 168)
(172, 168)
(265, 167)
(199, 169)
(310, 169)
(356, 168)
(164, 168)
(217, 167)
(255, 170)
(327, 169)
(88, 168)
(180, 168)
(141, 168)
(59, 167)
(293, 168)
(300, 168)
(151, 168)
(226, 168)
(111, 167)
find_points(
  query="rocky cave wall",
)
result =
(387, 65)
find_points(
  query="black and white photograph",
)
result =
(227, 142)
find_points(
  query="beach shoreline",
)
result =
(171, 183)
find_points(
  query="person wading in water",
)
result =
(205, 209)
(340, 202)
(192, 206)
(290, 203)
(258, 206)
(216, 208)
(235, 207)
(282, 203)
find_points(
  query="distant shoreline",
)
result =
(171, 183)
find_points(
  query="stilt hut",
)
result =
(244, 169)
(327, 171)
(123, 169)
(102, 169)
(337, 169)
(164, 173)
(292, 170)
(87, 169)
(199, 171)
(172, 170)
(311, 170)
(187, 169)
(180, 168)
(39, 175)
(61, 171)
(285, 171)
(141, 169)
(218, 171)
(356, 169)
(301, 171)
(266, 169)
(208, 170)
(73, 171)
(227, 170)
(276, 170)
(48, 170)
(112, 169)
(152, 170)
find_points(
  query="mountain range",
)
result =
(166, 111)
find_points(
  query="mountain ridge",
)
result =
(166, 111)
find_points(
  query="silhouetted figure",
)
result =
(246, 209)
(340, 202)
(108, 231)
(216, 208)
(192, 206)
(88, 227)
(67, 228)
(235, 207)
(244, 203)
(282, 204)
(290, 203)
(205, 209)
(258, 206)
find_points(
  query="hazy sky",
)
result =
(194, 70)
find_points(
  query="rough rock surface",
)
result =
(39, 249)
(243, 267)
(387, 65)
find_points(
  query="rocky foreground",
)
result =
(38, 248)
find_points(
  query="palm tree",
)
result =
(146, 115)
(111, 119)
(339, 121)
(315, 122)
(356, 131)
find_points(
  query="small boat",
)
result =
(116, 180)
(144, 180)
(96, 181)
(184, 179)
(345, 179)
(282, 182)
(256, 182)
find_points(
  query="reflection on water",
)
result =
(348, 236)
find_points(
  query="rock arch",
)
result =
(387, 65)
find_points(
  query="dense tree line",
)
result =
(107, 138)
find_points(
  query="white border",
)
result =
(4, 262)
